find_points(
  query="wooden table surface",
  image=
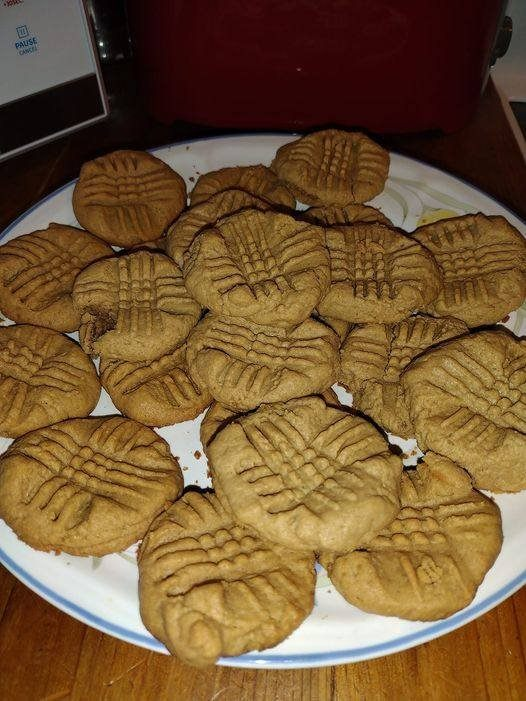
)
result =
(45, 654)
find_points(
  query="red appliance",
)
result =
(384, 65)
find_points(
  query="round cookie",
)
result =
(37, 272)
(183, 231)
(263, 266)
(377, 274)
(483, 265)
(373, 357)
(158, 392)
(466, 400)
(306, 475)
(243, 364)
(343, 216)
(87, 486)
(133, 307)
(332, 167)
(128, 197)
(258, 180)
(218, 416)
(209, 587)
(429, 562)
(44, 377)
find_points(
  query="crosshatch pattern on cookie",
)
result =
(258, 180)
(374, 355)
(87, 486)
(158, 392)
(183, 231)
(263, 266)
(38, 270)
(375, 261)
(341, 216)
(429, 561)
(483, 262)
(44, 377)
(209, 587)
(467, 400)
(219, 415)
(371, 264)
(140, 294)
(333, 167)
(127, 197)
(244, 364)
(306, 475)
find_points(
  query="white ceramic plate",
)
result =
(102, 592)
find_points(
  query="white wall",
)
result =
(510, 72)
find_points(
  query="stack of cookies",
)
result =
(248, 306)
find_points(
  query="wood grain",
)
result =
(45, 654)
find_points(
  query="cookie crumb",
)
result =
(197, 454)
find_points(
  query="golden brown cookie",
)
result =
(133, 307)
(377, 274)
(218, 416)
(373, 357)
(87, 486)
(429, 562)
(467, 400)
(258, 180)
(37, 272)
(483, 265)
(262, 266)
(157, 392)
(332, 167)
(350, 214)
(243, 364)
(128, 197)
(184, 230)
(306, 475)
(209, 587)
(44, 377)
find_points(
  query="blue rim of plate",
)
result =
(249, 660)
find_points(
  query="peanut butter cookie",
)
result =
(262, 266)
(258, 180)
(483, 265)
(128, 197)
(87, 486)
(377, 274)
(133, 307)
(243, 364)
(429, 562)
(158, 392)
(306, 475)
(333, 167)
(467, 400)
(44, 377)
(209, 587)
(37, 272)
